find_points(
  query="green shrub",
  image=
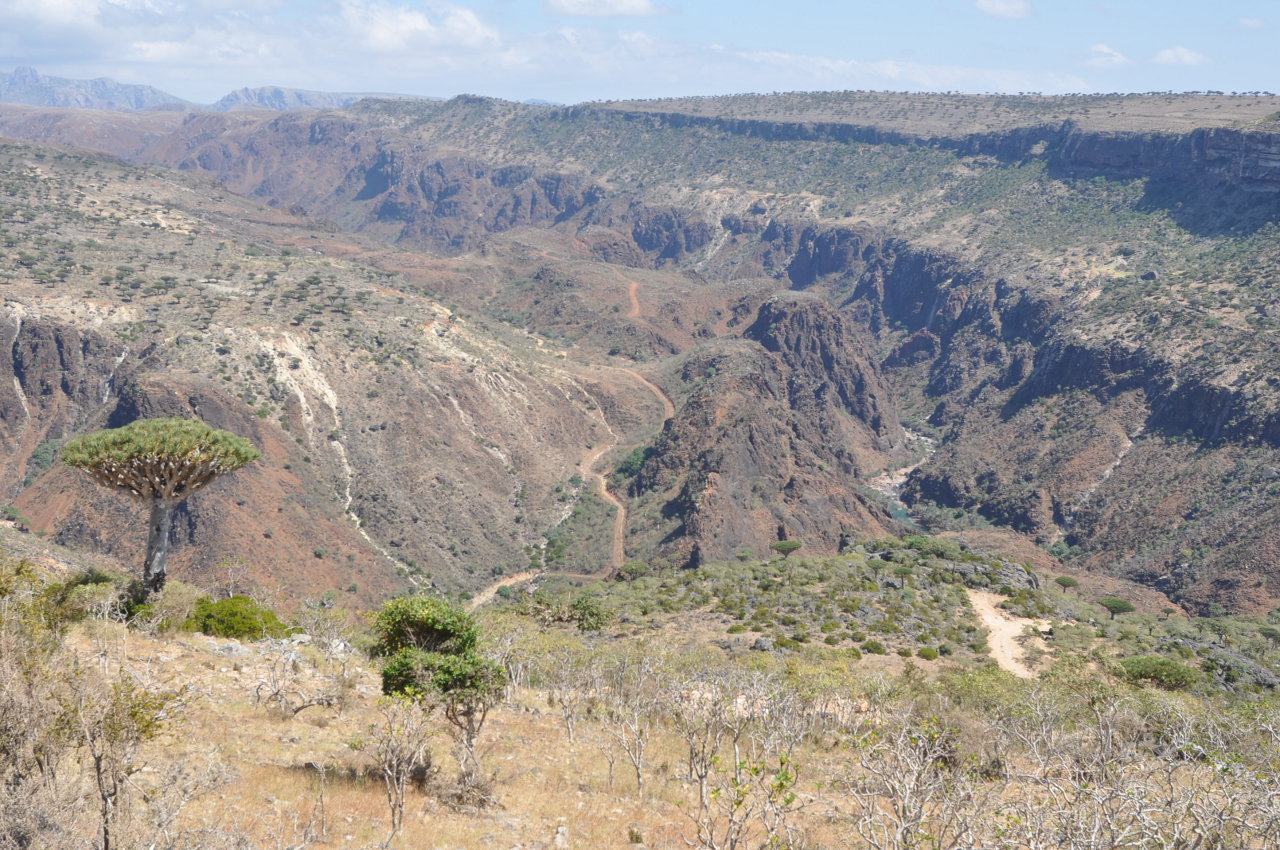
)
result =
(404, 671)
(169, 610)
(235, 617)
(632, 570)
(904, 652)
(928, 653)
(73, 600)
(425, 623)
(414, 673)
(629, 466)
(589, 614)
(737, 629)
(1159, 671)
(874, 647)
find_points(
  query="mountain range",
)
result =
(26, 85)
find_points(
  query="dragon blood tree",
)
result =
(160, 462)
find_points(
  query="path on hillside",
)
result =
(586, 469)
(1003, 632)
(485, 596)
(634, 312)
(587, 466)
(668, 407)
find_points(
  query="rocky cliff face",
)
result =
(797, 408)
(1249, 158)
(58, 375)
(1087, 444)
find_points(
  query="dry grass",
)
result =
(296, 782)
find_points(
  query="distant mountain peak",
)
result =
(283, 99)
(26, 85)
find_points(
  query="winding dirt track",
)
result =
(1004, 630)
(485, 596)
(668, 408)
(634, 312)
(587, 467)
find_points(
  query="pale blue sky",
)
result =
(576, 50)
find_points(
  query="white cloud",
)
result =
(1105, 56)
(800, 72)
(1005, 8)
(388, 28)
(1253, 23)
(603, 8)
(1180, 56)
(53, 12)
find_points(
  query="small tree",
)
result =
(400, 743)
(1115, 605)
(160, 462)
(785, 547)
(434, 658)
(1066, 582)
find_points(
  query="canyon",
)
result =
(440, 321)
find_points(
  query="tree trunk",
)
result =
(161, 524)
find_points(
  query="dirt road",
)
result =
(1003, 629)
(485, 596)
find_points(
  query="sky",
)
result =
(571, 51)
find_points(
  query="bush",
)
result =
(168, 611)
(235, 617)
(632, 570)
(420, 622)
(874, 647)
(948, 550)
(928, 653)
(629, 466)
(404, 672)
(589, 614)
(1159, 671)
(85, 592)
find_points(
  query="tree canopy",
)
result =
(168, 458)
(785, 547)
(424, 623)
(1115, 605)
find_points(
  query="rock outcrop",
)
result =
(798, 408)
